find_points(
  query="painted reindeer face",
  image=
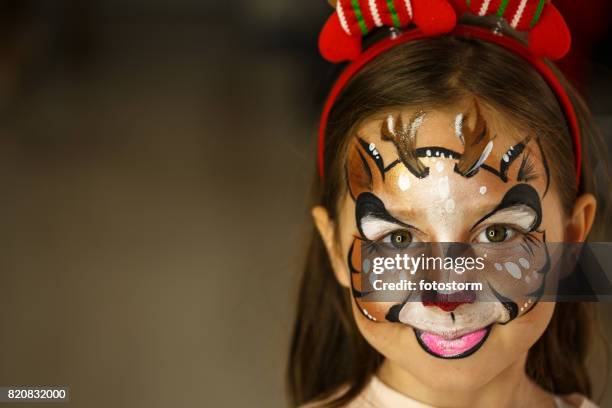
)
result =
(445, 176)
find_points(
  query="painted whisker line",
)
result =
(527, 247)
(532, 240)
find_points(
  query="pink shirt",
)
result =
(379, 395)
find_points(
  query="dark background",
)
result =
(155, 163)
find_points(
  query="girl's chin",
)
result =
(452, 348)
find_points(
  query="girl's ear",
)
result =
(581, 219)
(327, 230)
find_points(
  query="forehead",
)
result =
(439, 148)
(439, 125)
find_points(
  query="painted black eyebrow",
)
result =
(521, 194)
(374, 154)
(511, 155)
(437, 151)
(369, 205)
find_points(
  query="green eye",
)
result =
(400, 239)
(497, 233)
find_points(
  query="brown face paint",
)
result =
(364, 168)
(477, 142)
(405, 138)
(372, 186)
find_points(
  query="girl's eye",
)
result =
(496, 234)
(399, 239)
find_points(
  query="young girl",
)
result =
(447, 133)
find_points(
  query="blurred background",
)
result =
(155, 161)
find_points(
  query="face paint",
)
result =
(394, 182)
(526, 172)
(405, 138)
(477, 143)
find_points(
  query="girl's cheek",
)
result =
(523, 332)
(382, 335)
(539, 315)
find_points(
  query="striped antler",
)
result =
(549, 35)
(340, 39)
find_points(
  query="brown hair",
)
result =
(327, 350)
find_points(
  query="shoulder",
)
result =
(574, 401)
(374, 394)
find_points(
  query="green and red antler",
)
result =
(548, 33)
(340, 39)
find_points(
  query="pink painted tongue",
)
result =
(448, 348)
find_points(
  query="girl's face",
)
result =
(463, 174)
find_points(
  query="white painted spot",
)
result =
(443, 188)
(373, 277)
(449, 205)
(372, 146)
(442, 155)
(450, 156)
(483, 190)
(440, 167)
(437, 154)
(527, 279)
(524, 263)
(403, 182)
(506, 158)
(513, 269)
(498, 267)
(428, 153)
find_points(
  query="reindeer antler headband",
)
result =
(548, 37)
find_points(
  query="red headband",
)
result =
(460, 31)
